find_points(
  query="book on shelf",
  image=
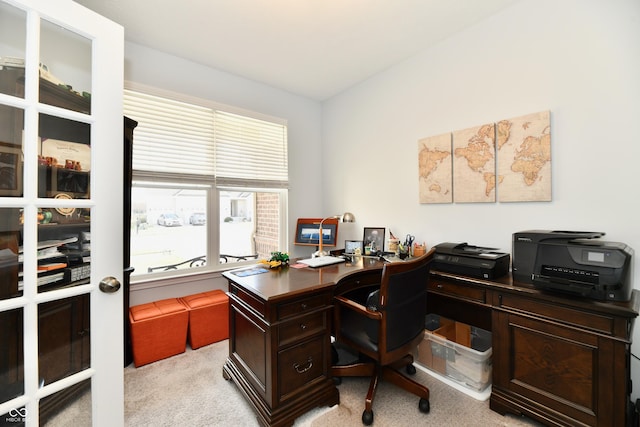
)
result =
(45, 279)
(47, 248)
(51, 266)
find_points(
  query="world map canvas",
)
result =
(474, 164)
(461, 166)
(434, 158)
(524, 158)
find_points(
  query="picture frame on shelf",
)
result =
(374, 235)
(10, 170)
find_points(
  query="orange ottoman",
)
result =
(158, 330)
(208, 317)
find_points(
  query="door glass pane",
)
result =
(65, 68)
(11, 356)
(12, 47)
(64, 248)
(64, 160)
(168, 227)
(11, 164)
(59, 410)
(63, 339)
(10, 260)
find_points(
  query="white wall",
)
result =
(580, 59)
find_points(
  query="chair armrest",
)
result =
(352, 305)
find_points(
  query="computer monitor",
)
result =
(307, 232)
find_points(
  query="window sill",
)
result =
(183, 279)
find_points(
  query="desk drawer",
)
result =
(303, 305)
(557, 313)
(247, 299)
(300, 366)
(357, 280)
(458, 290)
(301, 328)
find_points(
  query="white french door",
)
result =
(61, 159)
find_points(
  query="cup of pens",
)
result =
(403, 251)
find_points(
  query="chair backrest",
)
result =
(403, 302)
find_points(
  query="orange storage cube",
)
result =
(208, 317)
(158, 330)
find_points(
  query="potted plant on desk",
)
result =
(278, 259)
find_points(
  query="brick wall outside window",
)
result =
(267, 228)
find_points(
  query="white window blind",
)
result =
(248, 148)
(174, 137)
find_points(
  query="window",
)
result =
(209, 185)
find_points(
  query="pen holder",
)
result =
(403, 253)
(392, 245)
(419, 250)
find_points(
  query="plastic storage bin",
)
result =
(458, 351)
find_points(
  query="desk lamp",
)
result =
(346, 217)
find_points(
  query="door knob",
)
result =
(109, 285)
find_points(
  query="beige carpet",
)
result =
(188, 389)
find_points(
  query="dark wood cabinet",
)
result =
(63, 338)
(64, 325)
(561, 360)
(63, 348)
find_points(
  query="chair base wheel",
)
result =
(367, 417)
(424, 406)
(337, 380)
(411, 370)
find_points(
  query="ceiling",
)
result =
(312, 48)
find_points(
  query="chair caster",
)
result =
(367, 417)
(424, 406)
(337, 380)
(411, 370)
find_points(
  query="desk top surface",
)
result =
(288, 281)
(285, 282)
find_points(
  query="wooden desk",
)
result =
(561, 360)
(280, 336)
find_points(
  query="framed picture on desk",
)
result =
(374, 235)
(308, 231)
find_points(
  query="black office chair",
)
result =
(384, 326)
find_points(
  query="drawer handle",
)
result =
(439, 286)
(303, 326)
(299, 370)
(303, 306)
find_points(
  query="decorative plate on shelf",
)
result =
(64, 211)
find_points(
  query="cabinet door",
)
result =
(61, 80)
(563, 373)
